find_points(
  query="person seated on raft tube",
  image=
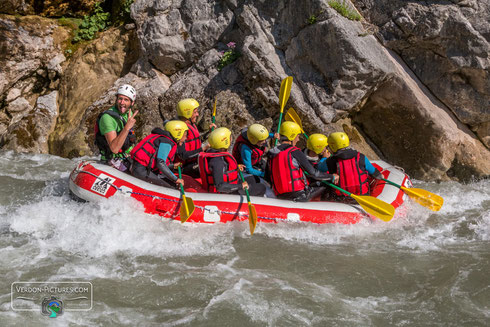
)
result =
(250, 147)
(316, 152)
(219, 170)
(154, 156)
(287, 164)
(114, 135)
(188, 112)
(352, 166)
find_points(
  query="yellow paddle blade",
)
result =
(186, 208)
(429, 200)
(214, 107)
(291, 115)
(252, 217)
(375, 207)
(284, 91)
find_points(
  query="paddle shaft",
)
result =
(184, 202)
(278, 127)
(246, 190)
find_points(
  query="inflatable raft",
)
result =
(92, 181)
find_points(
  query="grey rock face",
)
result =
(447, 46)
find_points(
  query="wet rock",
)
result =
(30, 134)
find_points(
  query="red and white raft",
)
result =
(92, 181)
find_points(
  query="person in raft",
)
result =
(114, 135)
(352, 166)
(250, 147)
(287, 164)
(219, 169)
(188, 112)
(154, 156)
(316, 152)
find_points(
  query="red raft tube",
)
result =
(92, 181)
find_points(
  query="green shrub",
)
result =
(229, 56)
(311, 20)
(344, 9)
(99, 20)
(124, 15)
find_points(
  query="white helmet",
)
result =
(127, 90)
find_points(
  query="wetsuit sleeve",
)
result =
(162, 154)
(246, 154)
(371, 169)
(322, 165)
(217, 165)
(306, 166)
(183, 154)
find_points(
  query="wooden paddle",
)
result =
(187, 205)
(429, 200)
(213, 118)
(291, 115)
(283, 98)
(370, 204)
(252, 214)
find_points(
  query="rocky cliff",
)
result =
(409, 82)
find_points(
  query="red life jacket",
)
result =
(257, 152)
(145, 152)
(229, 176)
(352, 178)
(285, 177)
(193, 141)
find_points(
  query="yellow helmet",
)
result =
(176, 128)
(337, 141)
(220, 138)
(317, 143)
(185, 107)
(290, 130)
(257, 133)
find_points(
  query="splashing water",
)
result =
(422, 268)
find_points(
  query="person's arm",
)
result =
(322, 165)
(185, 155)
(117, 141)
(217, 165)
(162, 154)
(306, 166)
(371, 169)
(246, 154)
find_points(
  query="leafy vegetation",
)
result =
(229, 56)
(311, 20)
(98, 21)
(344, 9)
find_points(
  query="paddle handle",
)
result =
(213, 120)
(246, 190)
(278, 127)
(338, 188)
(390, 182)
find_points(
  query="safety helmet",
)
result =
(337, 141)
(127, 90)
(317, 143)
(290, 130)
(176, 128)
(257, 133)
(185, 107)
(220, 138)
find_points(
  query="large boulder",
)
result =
(447, 46)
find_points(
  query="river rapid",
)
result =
(420, 269)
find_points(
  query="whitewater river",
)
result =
(421, 269)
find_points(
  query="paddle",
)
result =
(429, 200)
(252, 214)
(213, 118)
(187, 205)
(291, 115)
(370, 204)
(283, 98)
